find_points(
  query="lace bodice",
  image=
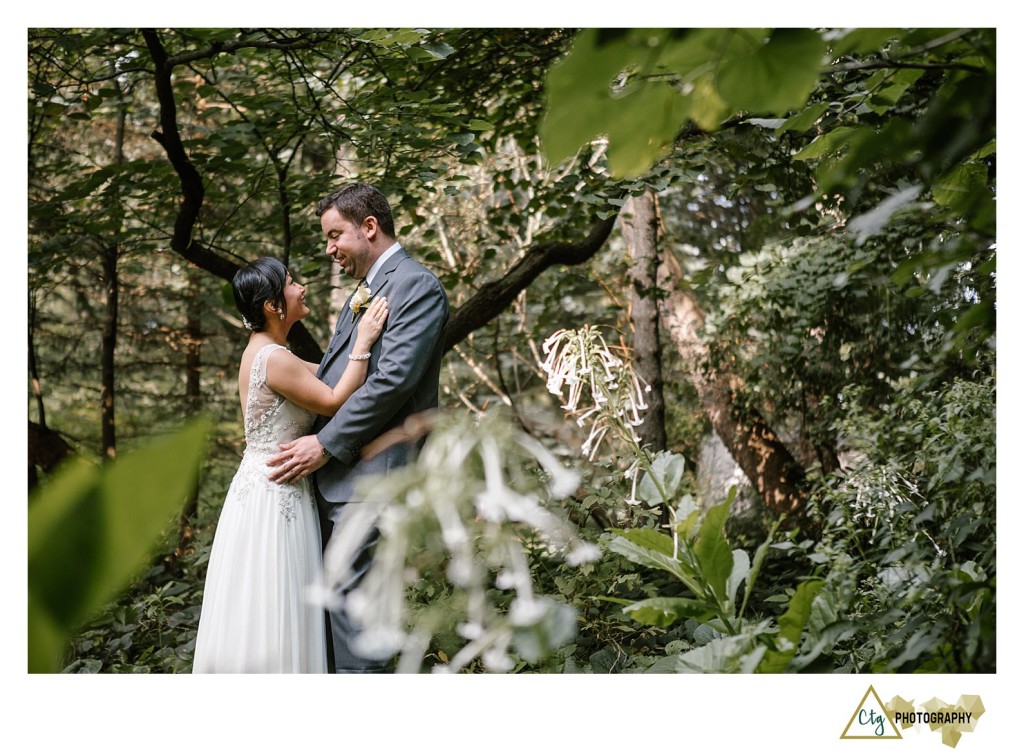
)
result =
(270, 420)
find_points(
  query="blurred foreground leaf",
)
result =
(90, 530)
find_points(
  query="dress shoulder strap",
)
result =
(258, 372)
(258, 378)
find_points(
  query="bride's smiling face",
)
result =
(295, 299)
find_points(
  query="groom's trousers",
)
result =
(341, 629)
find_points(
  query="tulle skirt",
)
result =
(256, 616)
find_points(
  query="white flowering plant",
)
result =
(607, 400)
(457, 518)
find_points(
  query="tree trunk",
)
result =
(109, 336)
(640, 231)
(758, 451)
(193, 342)
(193, 390)
(109, 343)
(33, 365)
(46, 450)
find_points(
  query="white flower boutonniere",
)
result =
(359, 300)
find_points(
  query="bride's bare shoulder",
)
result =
(249, 356)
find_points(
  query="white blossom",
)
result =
(497, 660)
(583, 553)
(527, 611)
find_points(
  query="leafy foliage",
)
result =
(90, 532)
(912, 531)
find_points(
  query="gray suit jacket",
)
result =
(402, 375)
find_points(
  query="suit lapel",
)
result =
(342, 331)
(346, 322)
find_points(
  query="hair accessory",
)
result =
(248, 325)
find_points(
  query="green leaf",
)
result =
(439, 50)
(713, 552)
(655, 541)
(985, 151)
(979, 315)
(805, 119)
(777, 77)
(960, 188)
(90, 530)
(707, 108)
(652, 549)
(641, 126)
(667, 473)
(791, 626)
(755, 567)
(860, 41)
(732, 653)
(578, 93)
(831, 142)
(664, 611)
(420, 55)
(740, 571)
(871, 223)
(884, 98)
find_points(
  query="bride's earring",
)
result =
(280, 315)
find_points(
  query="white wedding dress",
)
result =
(266, 552)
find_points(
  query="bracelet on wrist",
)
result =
(360, 357)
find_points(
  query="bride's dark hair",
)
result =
(257, 282)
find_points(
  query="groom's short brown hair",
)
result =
(357, 201)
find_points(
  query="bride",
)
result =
(266, 550)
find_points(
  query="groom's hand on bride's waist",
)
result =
(297, 459)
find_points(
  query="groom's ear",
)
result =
(370, 227)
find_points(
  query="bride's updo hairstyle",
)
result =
(256, 283)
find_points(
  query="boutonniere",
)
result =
(359, 300)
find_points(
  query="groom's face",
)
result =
(347, 244)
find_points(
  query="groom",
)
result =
(401, 380)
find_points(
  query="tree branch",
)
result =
(885, 64)
(193, 192)
(219, 48)
(495, 297)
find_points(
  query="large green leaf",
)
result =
(871, 222)
(665, 475)
(731, 653)
(740, 571)
(653, 549)
(804, 119)
(860, 41)
(578, 90)
(713, 552)
(831, 142)
(662, 611)
(776, 77)
(961, 187)
(755, 567)
(896, 84)
(791, 626)
(642, 125)
(91, 530)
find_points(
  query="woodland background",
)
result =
(788, 234)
